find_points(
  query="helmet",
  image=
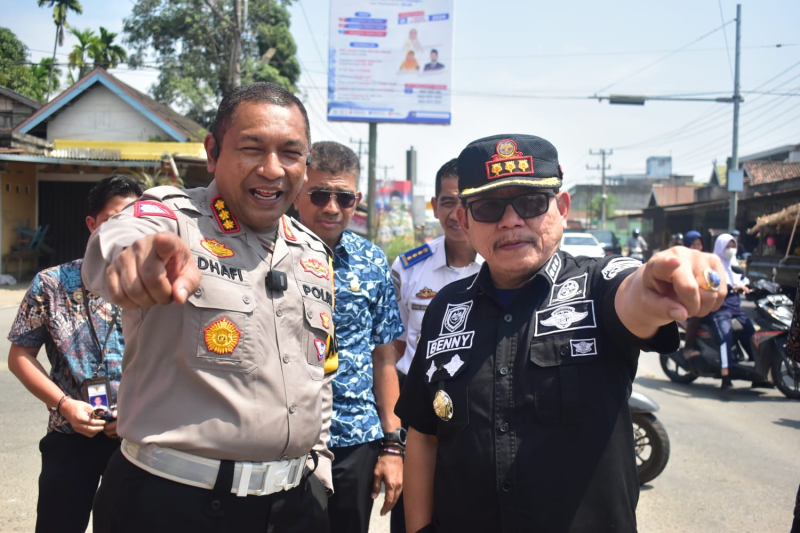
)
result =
(678, 237)
(635, 232)
(735, 234)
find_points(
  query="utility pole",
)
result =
(602, 153)
(737, 98)
(386, 169)
(360, 142)
(372, 185)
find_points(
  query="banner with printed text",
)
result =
(390, 61)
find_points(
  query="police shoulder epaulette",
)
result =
(172, 197)
(412, 257)
(292, 230)
(163, 192)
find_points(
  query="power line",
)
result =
(659, 60)
(725, 34)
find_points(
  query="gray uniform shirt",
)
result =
(238, 372)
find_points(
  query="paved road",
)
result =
(735, 463)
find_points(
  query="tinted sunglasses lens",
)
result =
(320, 198)
(345, 199)
(489, 210)
(531, 205)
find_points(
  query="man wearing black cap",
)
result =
(517, 395)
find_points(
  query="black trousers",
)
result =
(71, 468)
(350, 506)
(397, 522)
(131, 500)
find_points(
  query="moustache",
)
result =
(514, 238)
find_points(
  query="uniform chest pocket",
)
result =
(317, 336)
(559, 368)
(222, 319)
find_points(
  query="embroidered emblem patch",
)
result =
(216, 248)
(225, 219)
(572, 289)
(326, 320)
(287, 231)
(313, 266)
(617, 265)
(146, 208)
(508, 161)
(581, 347)
(553, 267)
(426, 293)
(221, 336)
(320, 346)
(576, 315)
(452, 334)
(454, 364)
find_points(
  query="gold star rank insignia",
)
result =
(221, 336)
(523, 165)
(510, 166)
(225, 219)
(497, 168)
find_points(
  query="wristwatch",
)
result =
(396, 437)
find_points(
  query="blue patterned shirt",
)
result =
(53, 314)
(366, 316)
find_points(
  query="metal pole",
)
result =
(736, 99)
(372, 184)
(603, 193)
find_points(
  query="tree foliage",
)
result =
(595, 206)
(14, 73)
(42, 78)
(79, 56)
(104, 53)
(193, 41)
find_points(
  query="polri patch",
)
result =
(315, 267)
(576, 315)
(227, 222)
(582, 347)
(222, 336)
(146, 208)
(216, 248)
(320, 345)
(571, 289)
(508, 161)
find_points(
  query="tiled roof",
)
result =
(673, 194)
(758, 172)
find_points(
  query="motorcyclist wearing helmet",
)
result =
(636, 245)
(725, 249)
(677, 239)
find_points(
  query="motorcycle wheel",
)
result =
(651, 443)
(785, 373)
(674, 371)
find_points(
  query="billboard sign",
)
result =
(390, 61)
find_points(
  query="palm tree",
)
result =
(79, 57)
(60, 10)
(104, 52)
(43, 74)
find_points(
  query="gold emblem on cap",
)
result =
(506, 148)
(221, 336)
(443, 405)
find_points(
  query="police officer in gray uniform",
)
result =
(227, 313)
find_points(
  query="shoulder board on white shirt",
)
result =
(412, 257)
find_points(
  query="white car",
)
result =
(582, 244)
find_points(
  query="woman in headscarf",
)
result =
(725, 249)
(692, 240)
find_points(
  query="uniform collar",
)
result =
(439, 258)
(347, 243)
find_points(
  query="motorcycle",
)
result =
(773, 319)
(650, 438)
(637, 253)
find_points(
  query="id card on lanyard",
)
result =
(97, 390)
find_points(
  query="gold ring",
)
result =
(710, 280)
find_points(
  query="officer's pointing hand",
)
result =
(670, 286)
(156, 269)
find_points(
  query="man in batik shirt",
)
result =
(366, 438)
(56, 313)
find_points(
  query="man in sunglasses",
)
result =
(517, 396)
(366, 438)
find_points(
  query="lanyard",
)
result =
(94, 333)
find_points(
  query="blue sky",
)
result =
(509, 55)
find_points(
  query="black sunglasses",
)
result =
(345, 200)
(527, 206)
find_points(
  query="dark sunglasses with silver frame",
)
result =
(320, 198)
(528, 205)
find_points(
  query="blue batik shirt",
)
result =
(366, 315)
(53, 314)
